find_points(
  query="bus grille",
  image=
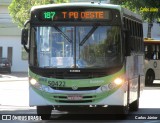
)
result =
(78, 89)
(65, 75)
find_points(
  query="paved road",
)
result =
(14, 89)
(14, 76)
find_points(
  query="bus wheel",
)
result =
(150, 76)
(122, 112)
(44, 112)
(134, 105)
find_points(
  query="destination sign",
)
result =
(61, 15)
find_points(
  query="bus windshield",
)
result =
(77, 46)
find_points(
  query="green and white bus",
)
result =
(84, 55)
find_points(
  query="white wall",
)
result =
(14, 41)
(10, 36)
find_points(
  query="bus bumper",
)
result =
(118, 98)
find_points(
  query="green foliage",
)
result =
(20, 9)
(149, 9)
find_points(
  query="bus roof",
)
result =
(131, 14)
(151, 41)
(91, 4)
(84, 4)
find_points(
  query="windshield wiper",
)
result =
(64, 35)
(88, 35)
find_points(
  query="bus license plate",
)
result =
(74, 97)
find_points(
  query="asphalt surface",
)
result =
(14, 74)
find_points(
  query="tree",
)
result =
(149, 9)
(20, 9)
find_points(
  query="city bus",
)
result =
(152, 61)
(84, 55)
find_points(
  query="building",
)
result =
(10, 39)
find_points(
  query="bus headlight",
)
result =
(117, 82)
(40, 86)
(104, 88)
(47, 89)
(35, 83)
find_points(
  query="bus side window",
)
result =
(148, 50)
(159, 55)
(154, 55)
(148, 55)
(158, 51)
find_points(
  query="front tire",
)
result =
(44, 112)
(122, 112)
(134, 105)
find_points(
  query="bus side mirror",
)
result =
(24, 38)
(127, 39)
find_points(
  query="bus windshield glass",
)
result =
(77, 46)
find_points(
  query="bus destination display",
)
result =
(75, 15)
